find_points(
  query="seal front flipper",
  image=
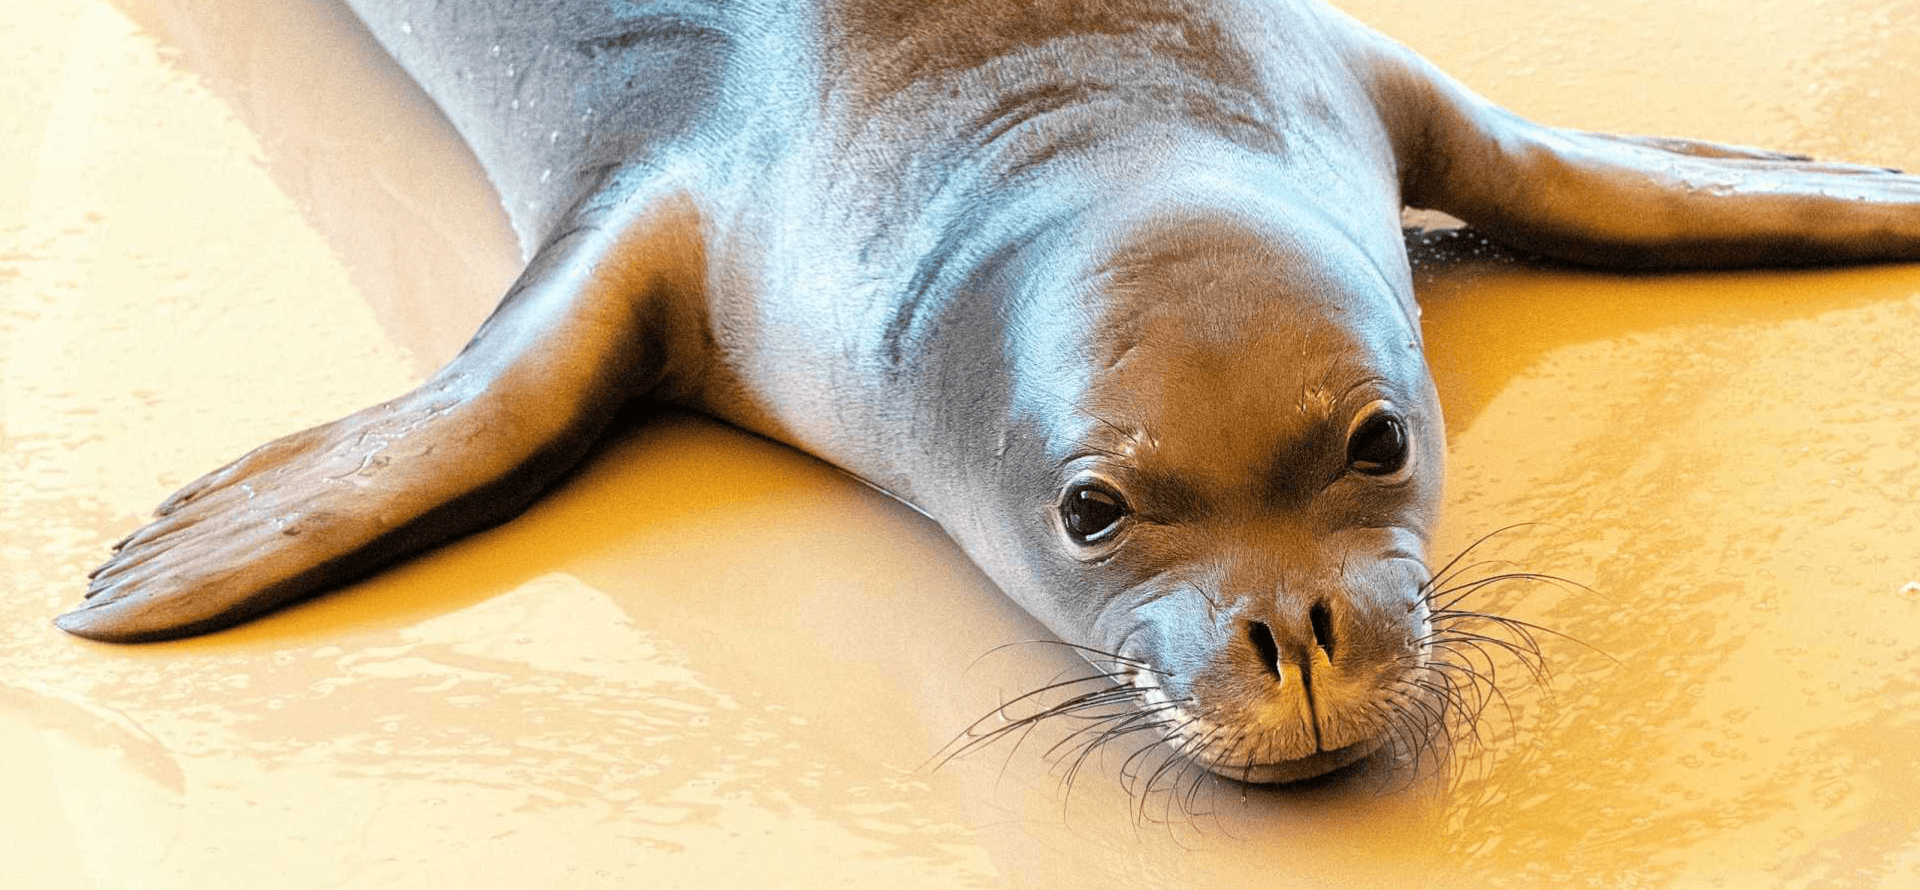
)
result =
(584, 330)
(1632, 201)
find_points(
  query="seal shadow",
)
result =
(1490, 314)
(747, 556)
(655, 470)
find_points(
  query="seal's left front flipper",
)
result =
(1630, 201)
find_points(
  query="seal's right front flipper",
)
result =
(586, 328)
(1632, 201)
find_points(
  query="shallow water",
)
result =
(710, 661)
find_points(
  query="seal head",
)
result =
(1233, 456)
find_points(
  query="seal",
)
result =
(1116, 292)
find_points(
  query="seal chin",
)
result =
(1297, 770)
(1196, 740)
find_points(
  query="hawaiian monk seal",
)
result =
(1114, 291)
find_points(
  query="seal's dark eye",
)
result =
(1378, 446)
(1090, 511)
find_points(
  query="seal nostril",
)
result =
(1322, 627)
(1263, 643)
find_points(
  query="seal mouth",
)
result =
(1202, 741)
(1298, 769)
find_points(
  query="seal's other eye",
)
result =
(1090, 512)
(1378, 444)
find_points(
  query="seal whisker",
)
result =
(1490, 674)
(1027, 725)
(1191, 761)
(1435, 722)
(1001, 709)
(1084, 751)
(1472, 695)
(1104, 735)
(1524, 627)
(1193, 790)
(1521, 643)
(1172, 739)
(1185, 760)
(1134, 663)
(1432, 717)
(1487, 691)
(1463, 590)
(1457, 594)
(1184, 800)
(1467, 709)
(1168, 746)
(1470, 677)
(1437, 582)
(1414, 733)
(1135, 723)
(973, 738)
(1118, 698)
(1412, 742)
(1202, 776)
(1485, 682)
(1526, 652)
(1464, 679)
(1479, 541)
(1181, 757)
(1068, 708)
(1537, 672)
(1400, 752)
(1024, 726)
(1402, 747)
(1139, 784)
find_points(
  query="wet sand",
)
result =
(710, 661)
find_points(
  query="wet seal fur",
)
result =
(1114, 291)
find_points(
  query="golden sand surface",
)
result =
(709, 661)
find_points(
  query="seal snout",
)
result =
(1293, 663)
(1300, 683)
(1306, 645)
